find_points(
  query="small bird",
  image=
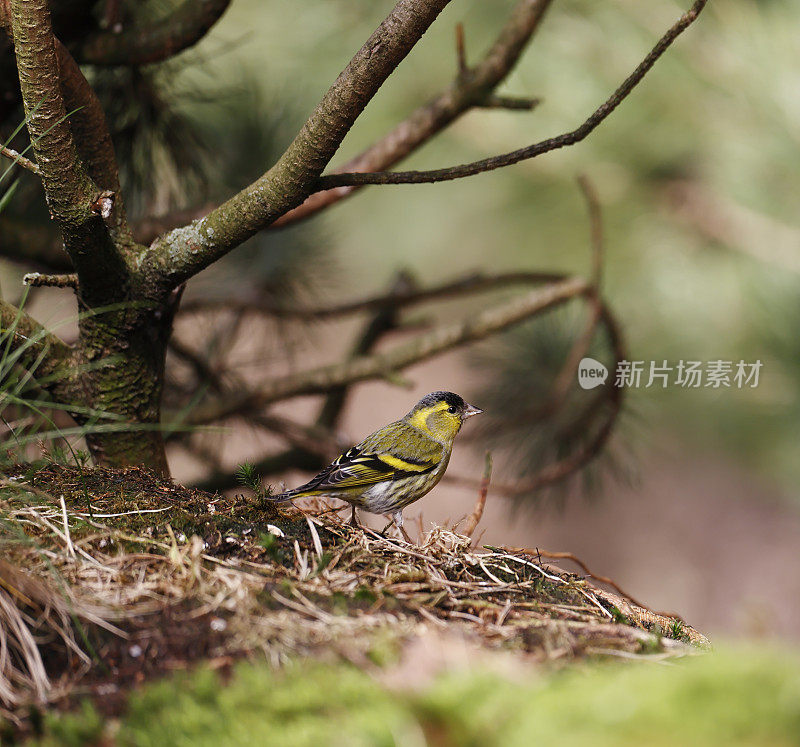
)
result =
(396, 465)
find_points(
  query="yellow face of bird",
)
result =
(441, 415)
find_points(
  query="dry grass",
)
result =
(158, 576)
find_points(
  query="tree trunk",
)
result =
(124, 352)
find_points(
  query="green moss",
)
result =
(618, 616)
(84, 726)
(307, 705)
(738, 697)
(732, 698)
(677, 631)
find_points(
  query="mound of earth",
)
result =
(122, 576)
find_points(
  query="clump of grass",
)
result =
(41, 620)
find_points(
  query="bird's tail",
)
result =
(290, 495)
(282, 497)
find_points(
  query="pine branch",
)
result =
(87, 122)
(69, 190)
(74, 200)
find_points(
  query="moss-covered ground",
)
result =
(165, 615)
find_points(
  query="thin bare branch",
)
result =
(611, 397)
(181, 29)
(595, 227)
(475, 517)
(317, 438)
(439, 340)
(184, 252)
(470, 88)
(339, 180)
(566, 377)
(512, 103)
(383, 321)
(461, 49)
(476, 283)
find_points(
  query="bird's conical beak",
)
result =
(471, 410)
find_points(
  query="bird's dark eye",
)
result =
(451, 410)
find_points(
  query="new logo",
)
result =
(591, 373)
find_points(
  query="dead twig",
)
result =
(461, 51)
(477, 513)
(471, 88)
(399, 298)
(38, 279)
(19, 159)
(591, 574)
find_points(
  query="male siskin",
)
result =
(397, 464)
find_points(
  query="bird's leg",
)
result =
(353, 519)
(397, 517)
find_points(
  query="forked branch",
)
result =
(71, 192)
(473, 86)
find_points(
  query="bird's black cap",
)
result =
(451, 398)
